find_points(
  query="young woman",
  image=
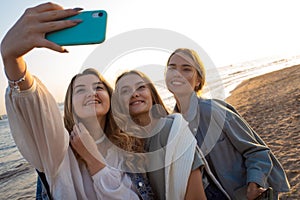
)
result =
(173, 164)
(238, 157)
(79, 170)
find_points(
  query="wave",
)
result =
(18, 170)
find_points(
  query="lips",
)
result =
(136, 102)
(93, 102)
(177, 82)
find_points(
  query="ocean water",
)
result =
(18, 178)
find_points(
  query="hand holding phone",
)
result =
(91, 30)
(266, 195)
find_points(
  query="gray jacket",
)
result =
(234, 152)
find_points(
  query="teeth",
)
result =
(176, 83)
(93, 102)
(136, 102)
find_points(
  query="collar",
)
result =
(193, 108)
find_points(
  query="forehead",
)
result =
(180, 59)
(87, 79)
(129, 80)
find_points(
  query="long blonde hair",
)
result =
(122, 116)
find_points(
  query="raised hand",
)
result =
(29, 32)
(85, 146)
(253, 191)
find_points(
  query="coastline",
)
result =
(270, 103)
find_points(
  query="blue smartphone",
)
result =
(91, 30)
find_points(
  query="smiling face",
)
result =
(181, 76)
(135, 95)
(90, 97)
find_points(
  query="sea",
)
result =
(18, 177)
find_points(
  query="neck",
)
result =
(147, 124)
(183, 103)
(95, 126)
(142, 119)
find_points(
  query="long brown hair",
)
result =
(111, 129)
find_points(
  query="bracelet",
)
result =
(14, 85)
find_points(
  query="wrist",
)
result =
(253, 185)
(94, 165)
(6, 53)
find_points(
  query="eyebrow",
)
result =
(184, 65)
(82, 85)
(127, 86)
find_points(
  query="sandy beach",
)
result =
(271, 105)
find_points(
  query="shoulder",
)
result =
(216, 105)
(177, 120)
(211, 102)
(173, 116)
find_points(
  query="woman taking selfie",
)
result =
(69, 157)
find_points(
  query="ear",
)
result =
(198, 82)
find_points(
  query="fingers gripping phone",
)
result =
(266, 195)
(91, 30)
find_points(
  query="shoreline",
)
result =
(270, 103)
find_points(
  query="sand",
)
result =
(271, 105)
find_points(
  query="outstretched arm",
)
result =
(29, 32)
(35, 120)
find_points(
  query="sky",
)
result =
(230, 32)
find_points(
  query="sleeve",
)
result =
(37, 127)
(198, 161)
(113, 184)
(256, 156)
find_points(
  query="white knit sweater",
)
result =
(179, 158)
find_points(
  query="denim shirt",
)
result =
(42, 187)
(234, 151)
(139, 181)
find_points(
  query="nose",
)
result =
(92, 92)
(135, 93)
(176, 73)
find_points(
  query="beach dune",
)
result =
(271, 105)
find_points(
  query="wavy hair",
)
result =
(121, 114)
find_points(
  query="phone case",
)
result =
(91, 30)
